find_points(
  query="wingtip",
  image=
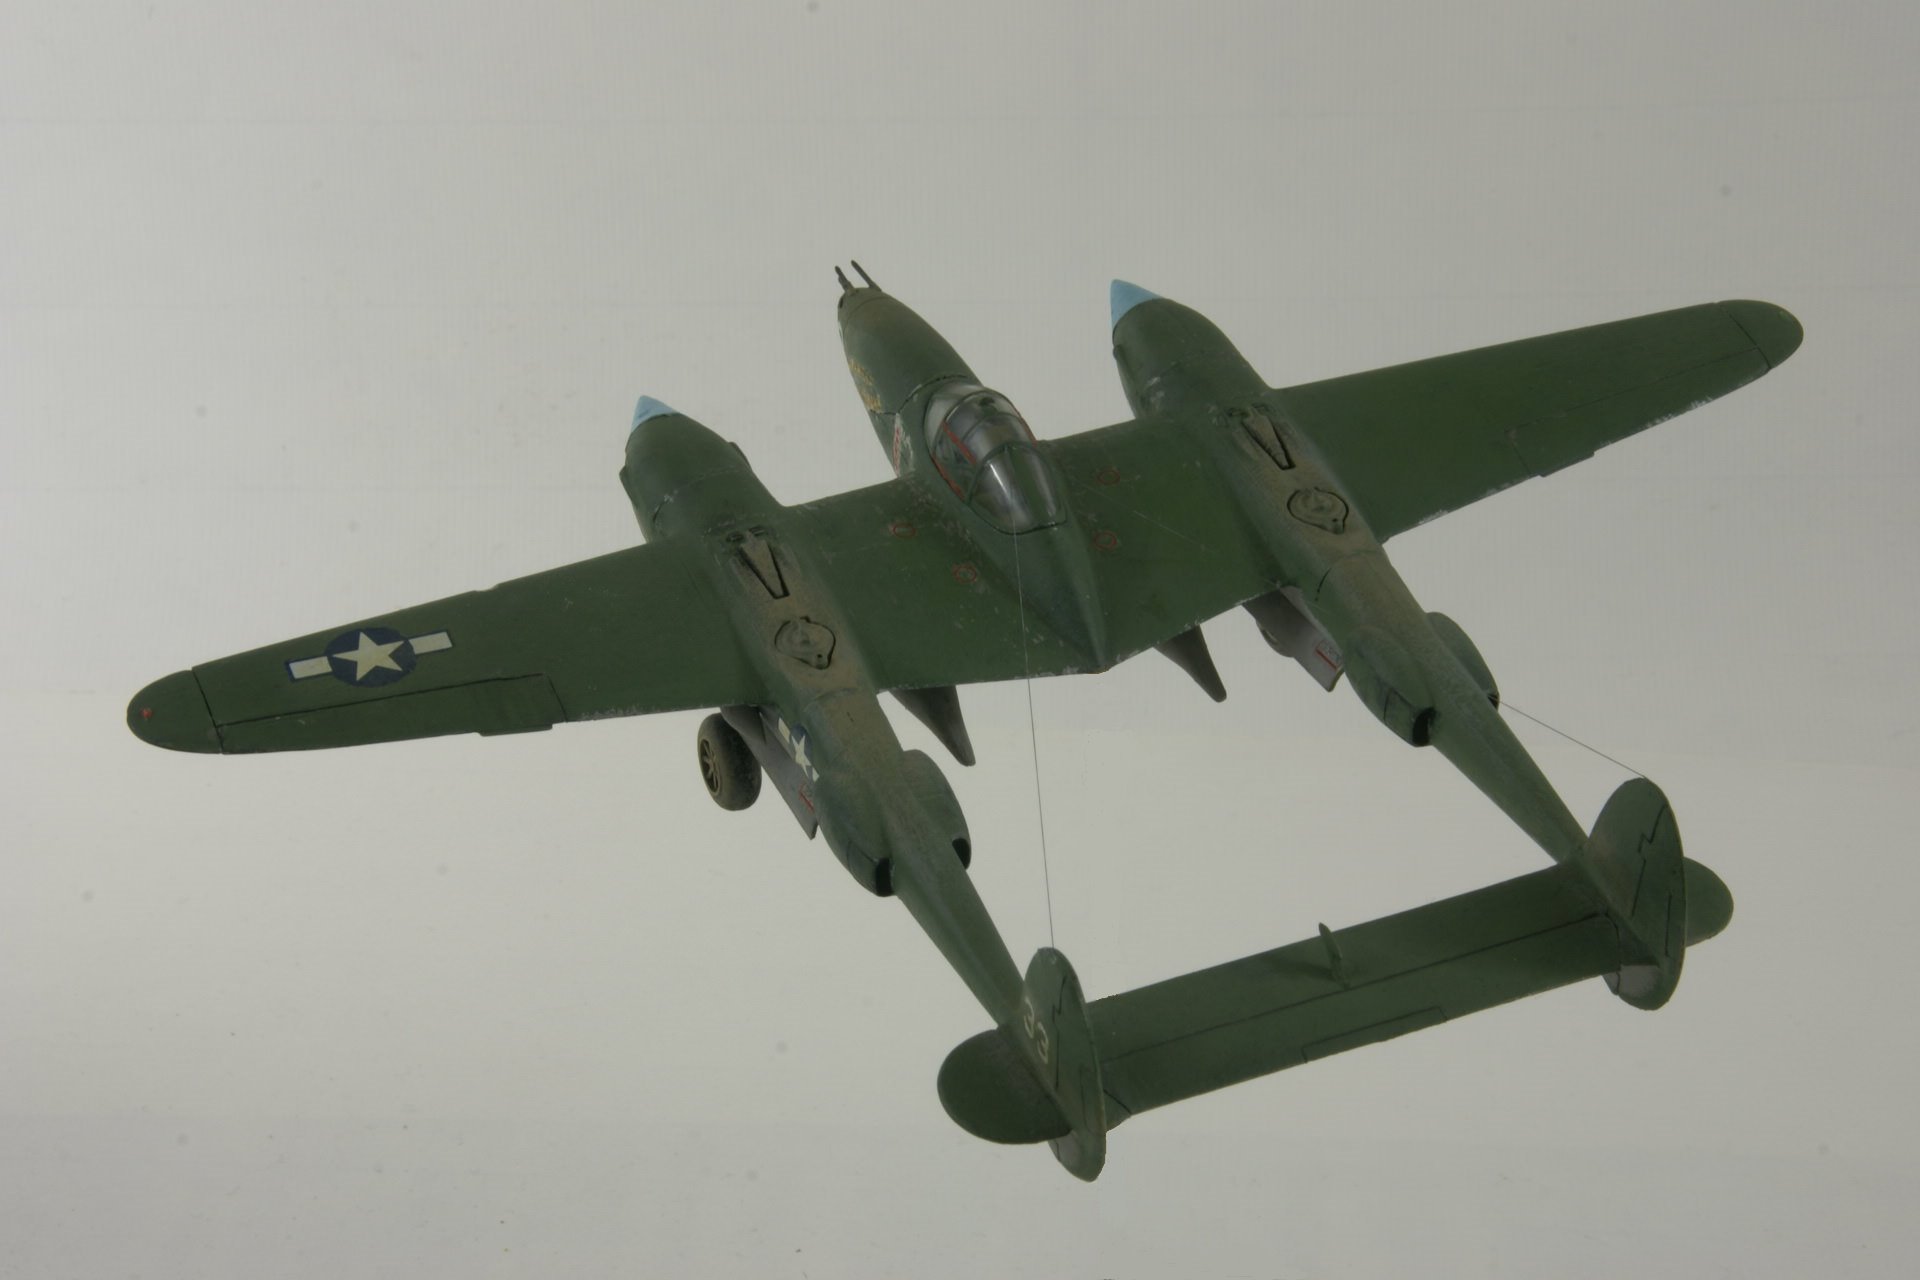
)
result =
(1123, 296)
(172, 713)
(1776, 333)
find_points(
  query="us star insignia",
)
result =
(795, 741)
(369, 656)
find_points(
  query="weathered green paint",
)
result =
(1221, 491)
(1357, 986)
(1309, 467)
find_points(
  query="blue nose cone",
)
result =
(649, 408)
(1124, 297)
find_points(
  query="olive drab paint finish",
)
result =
(994, 554)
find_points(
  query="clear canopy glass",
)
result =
(983, 449)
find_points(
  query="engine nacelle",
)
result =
(862, 827)
(683, 478)
(855, 826)
(1170, 355)
(1463, 648)
(933, 796)
(1392, 685)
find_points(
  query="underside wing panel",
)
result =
(926, 606)
(1170, 546)
(623, 634)
(1414, 441)
(1168, 551)
(485, 706)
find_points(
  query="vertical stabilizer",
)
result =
(1037, 1079)
(1060, 1040)
(1633, 859)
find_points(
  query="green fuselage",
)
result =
(906, 373)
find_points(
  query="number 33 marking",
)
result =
(1035, 1029)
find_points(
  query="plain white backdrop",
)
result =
(312, 311)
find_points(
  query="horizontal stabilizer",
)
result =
(1625, 912)
(1346, 988)
(1339, 990)
(1354, 987)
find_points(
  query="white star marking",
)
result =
(800, 756)
(370, 656)
(795, 741)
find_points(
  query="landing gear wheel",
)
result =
(727, 765)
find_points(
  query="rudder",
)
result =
(1633, 859)
(1037, 1079)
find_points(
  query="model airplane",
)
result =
(995, 555)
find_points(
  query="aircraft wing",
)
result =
(1415, 441)
(622, 634)
(1169, 553)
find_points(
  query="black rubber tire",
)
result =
(727, 766)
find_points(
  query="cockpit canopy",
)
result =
(982, 448)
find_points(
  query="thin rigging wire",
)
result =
(1033, 737)
(1508, 706)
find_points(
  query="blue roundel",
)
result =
(370, 656)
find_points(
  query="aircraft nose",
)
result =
(172, 713)
(1124, 296)
(648, 407)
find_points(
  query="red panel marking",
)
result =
(965, 573)
(947, 431)
(146, 713)
(902, 529)
(1106, 540)
(957, 444)
(1107, 475)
